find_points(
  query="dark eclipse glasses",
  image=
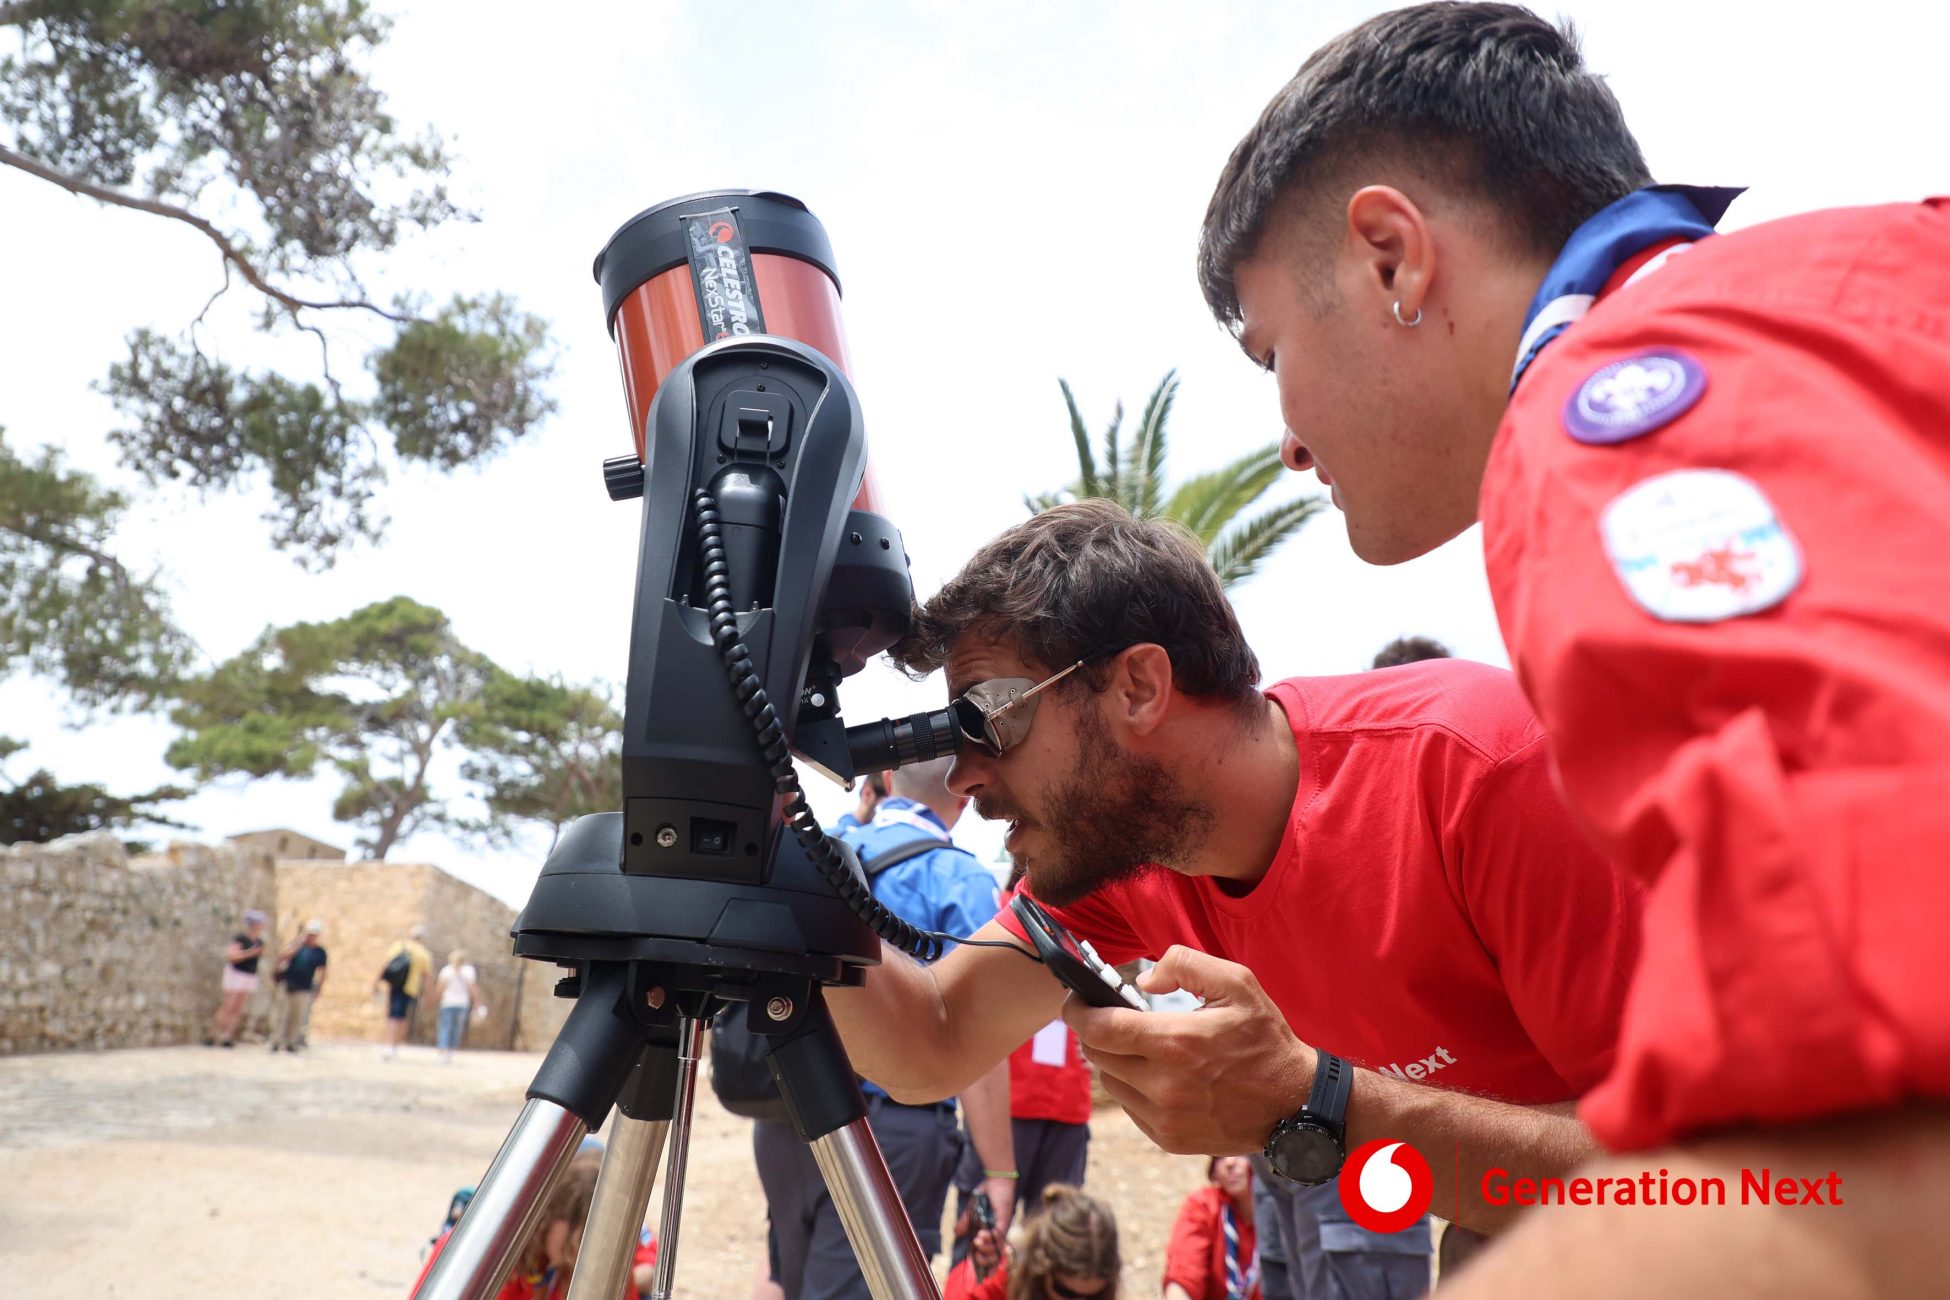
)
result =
(994, 716)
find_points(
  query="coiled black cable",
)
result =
(922, 945)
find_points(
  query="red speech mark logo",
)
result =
(722, 231)
(1386, 1185)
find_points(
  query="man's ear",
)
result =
(1141, 689)
(1395, 254)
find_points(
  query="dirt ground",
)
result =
(192, 1172)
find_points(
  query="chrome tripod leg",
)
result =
(875, 1220)
(616, 1213)
(506, 1206)
(690, 1030)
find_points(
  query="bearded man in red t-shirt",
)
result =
(1369, 875)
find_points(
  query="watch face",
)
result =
(1306, 1153)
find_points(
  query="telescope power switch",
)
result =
(623, 476)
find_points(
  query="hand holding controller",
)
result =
(1074, 962)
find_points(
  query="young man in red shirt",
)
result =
(1711, 472)
(1372, 867)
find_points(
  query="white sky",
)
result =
(1013, 193)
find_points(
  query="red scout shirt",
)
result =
(1195, 1257)
(1726, 587)
(1041, 1089)
(1432, 912)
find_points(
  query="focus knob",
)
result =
(623, 476)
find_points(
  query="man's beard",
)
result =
(1118, 816)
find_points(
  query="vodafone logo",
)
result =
(1386, 1185)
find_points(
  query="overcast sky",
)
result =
(1013, 193)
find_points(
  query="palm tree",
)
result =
(1209, 504)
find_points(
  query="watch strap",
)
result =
(1327, 1101)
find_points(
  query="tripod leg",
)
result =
(689, 1033)
(574, 1088)
(476, 1259)
(636, 1143)
(820, 1090)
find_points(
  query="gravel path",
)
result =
(196, 1172)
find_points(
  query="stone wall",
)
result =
(366, 907)
(98, 950)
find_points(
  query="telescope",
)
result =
(765, 576)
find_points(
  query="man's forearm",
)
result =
(1877, 1231)
(895, 1029)
(1464, 1137)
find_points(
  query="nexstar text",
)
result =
(1757, 1187)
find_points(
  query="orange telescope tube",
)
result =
(694, 264)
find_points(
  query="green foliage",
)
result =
(198, 422)
(69, 609)
(376, 696)
(544, 751)
(170, 96)
(254, 123)
(38, 808)
(1210, 505)
(455, 388)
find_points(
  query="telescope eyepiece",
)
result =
(889, 743)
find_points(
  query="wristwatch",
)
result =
(1309, 1145)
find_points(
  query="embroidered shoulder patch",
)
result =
(1631, 397)
(1699, 546)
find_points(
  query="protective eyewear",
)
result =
(994, 716)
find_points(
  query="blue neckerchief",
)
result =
(1612, 237)
(1240, 1278)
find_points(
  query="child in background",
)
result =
(546, 1262)
(1068, 1252)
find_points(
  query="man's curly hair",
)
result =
(1089, 579)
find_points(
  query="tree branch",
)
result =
(231, 253)
(62, 543)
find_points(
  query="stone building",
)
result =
(284, 843)
(365, 907)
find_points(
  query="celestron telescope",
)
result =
(764, 577)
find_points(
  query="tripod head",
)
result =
(764, 578)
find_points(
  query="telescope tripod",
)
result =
(632, 1042)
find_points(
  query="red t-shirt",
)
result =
(962, 1285)
(1196, 1256)
(1053, 1091)
(1748, 689)
(1432, 910)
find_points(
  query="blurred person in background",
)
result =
(1064, 1249)
(1409, 650)
(1212, 1253)
(239, 980)
(300, 979)
(546, 1262)
(458, 988)
(400, 982)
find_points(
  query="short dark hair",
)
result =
(1489, 98)
(1089, 578)
(1409, 650)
